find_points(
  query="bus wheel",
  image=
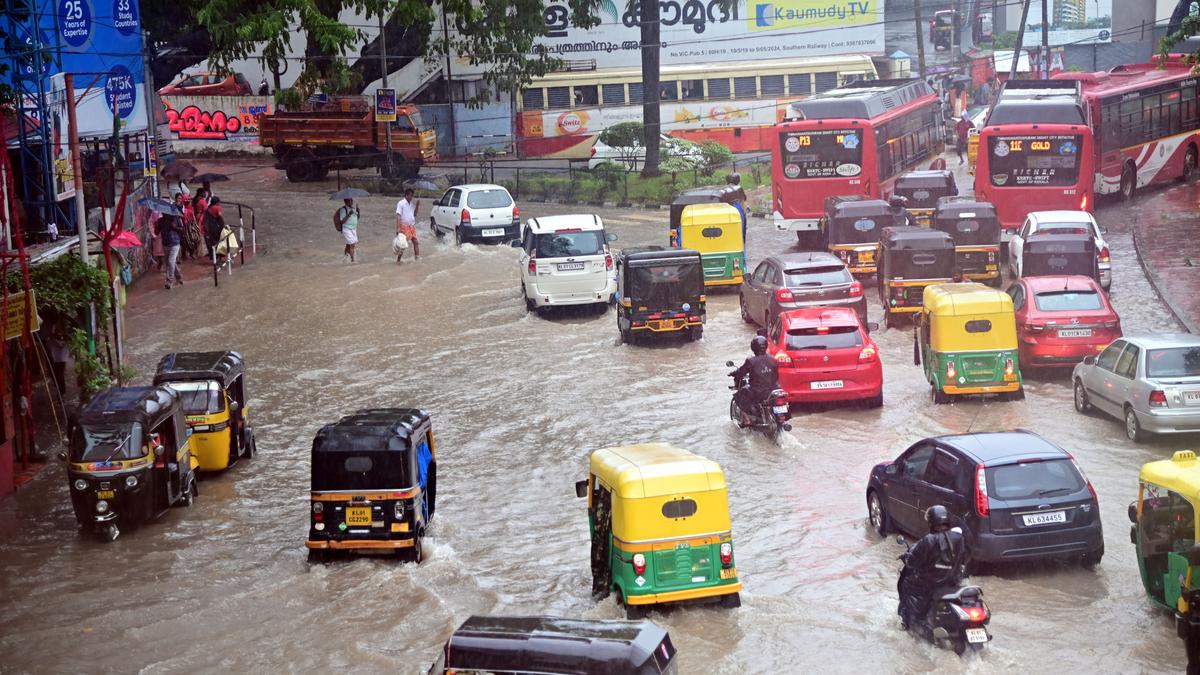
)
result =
(1189, 165)
(1128, 183)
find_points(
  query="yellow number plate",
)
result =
(358, 516)
(866, 256)
(729, 573)
(105, 494)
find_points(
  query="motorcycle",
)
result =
(771, 416)
(958, 615)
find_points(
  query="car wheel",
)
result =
(434, 228)
(745, 310)
(880, 522)
(530, 305)
(1091, 558)
(1133, 428)
(458, 240)
(875, 401)
(1082, 405)
(1189, 165)
(1128, 183)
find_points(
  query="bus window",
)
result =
(1151, 117)
(559, 97)
(1188, 107)
(635, 92)
(668, 91)
(587, 95)
(1131, 122)
(745, 87)
(826, 81)
(693, 90)
(533, 99)
(800, 85)
(718, 88)
(1171, 112)
(614, 94)
(771, 85)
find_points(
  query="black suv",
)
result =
(1017, 496)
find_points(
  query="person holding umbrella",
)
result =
(346, 221)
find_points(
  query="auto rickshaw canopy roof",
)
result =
(964, 207)
(635, 254)
(967, 317)
(373, 429)
(124, 405)
(909, 238)
(709, 194)
(698, 215)
(1180, 474)
(930, 179)
(655, 470)
(224, 367)
(547, 644)
(965, 299)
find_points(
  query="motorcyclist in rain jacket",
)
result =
(933, 563)
(763, 372)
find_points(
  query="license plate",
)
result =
(358, 516)
(975, 635)
(1074, 332)
(779, 408)
(493, 233)
(1191, 397)
(729, 573)
(105, 494)
(1045, 518)
(828, 384)
(866, 256)
(563, 267)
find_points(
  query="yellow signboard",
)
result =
(15, 318)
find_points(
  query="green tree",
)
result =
(626, 138)
(1188, 26)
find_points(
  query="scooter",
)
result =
(957, 615)
(770, 417)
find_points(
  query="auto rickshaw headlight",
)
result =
(81, 484)
(101, 506)
(399, 510)
(131, 481)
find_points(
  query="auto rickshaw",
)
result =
(212, 391)
(922, 190)
(1165, 537)
(976, 232)
(659, 290)
(944, 29)
(129, 459)
(544, 644)
(851, 227)
(715, 230)
(660, 531)
(374, 484)
(709, 194)
(911, 258)
(966, 339)
(1049, 254)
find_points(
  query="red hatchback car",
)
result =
(1061, 319)
(825, 354)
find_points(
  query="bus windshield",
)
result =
(821, 153)
(1034, 160)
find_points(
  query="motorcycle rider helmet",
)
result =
(758, 345)
(937, 517)
(734, 178)
(897, 202)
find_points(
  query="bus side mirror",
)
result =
(1133, 512)
(581, 488)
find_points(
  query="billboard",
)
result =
(1071, 22)
(700, 31)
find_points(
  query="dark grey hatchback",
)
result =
(1017, 495)
(799, 280)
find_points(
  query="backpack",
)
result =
(337, 219)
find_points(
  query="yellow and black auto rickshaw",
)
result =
(374, 483)
(910, 259)
(659, 291)
(976, 232)
(212, 391)
(922, 190)
(128, 459)
(851, 227)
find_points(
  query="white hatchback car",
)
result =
(1048, 221)
(632, 159)
(477, 212)
(565, 261)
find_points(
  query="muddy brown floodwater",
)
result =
(518, 402)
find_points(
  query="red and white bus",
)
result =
(854, 140)
(1035, 152)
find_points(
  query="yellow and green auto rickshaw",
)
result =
(128, 459)
(374, 484)
(212, 391)
(1165, 537)
(660, 530)
(715, 230)
(966, 339)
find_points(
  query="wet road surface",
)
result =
(518, 402)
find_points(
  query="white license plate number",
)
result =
(828, 384)
(494, 233)
(780, 408)
(1045, 518)
(566, 267)
(1191, 397)
(976, 635)
(1074, 332)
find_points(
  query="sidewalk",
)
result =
(1169, 249)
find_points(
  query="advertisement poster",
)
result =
(1071, 22)
(150, 167)
(385, 105)
(64, 170)
(675, 117)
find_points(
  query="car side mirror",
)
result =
(581, 488)
(872, 326)
(1089, 360)
(891, 469)
(901, 540)
(1133, 512)
(62, 456)
(610, 237)
(515, 243)
(729, 364)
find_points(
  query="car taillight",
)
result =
(693, 318)
(1104, 255)
(783, 359)
(1008, 367)
(726, 554)
(784, 295)
(532, 265)
(981, 495)
(593, 151)
(976, 614)
(639, 564)
(737, 264)
(867, 354)
(516, 212)
(1085, 478)
(465, 218)
(951, 373)
(608, 261)
(856, 289)
(1158, 398)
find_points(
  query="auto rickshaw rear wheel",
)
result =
(417, 553)
(632, 612)
(189, 495)
(939, 396)
(695, 333)
(731, 600)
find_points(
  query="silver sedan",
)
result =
(1150, 382)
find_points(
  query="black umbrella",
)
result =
(179, 170)
(209, 178)
(349, 193)
(160, 205)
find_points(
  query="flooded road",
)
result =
(518, 403)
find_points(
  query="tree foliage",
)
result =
(1189, 26)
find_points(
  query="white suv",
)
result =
(477, 212)
(565, 261)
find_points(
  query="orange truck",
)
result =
(308, 144)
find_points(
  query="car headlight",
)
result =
(101, 506)
(81, 484)
(399, 510)
(131, 481)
